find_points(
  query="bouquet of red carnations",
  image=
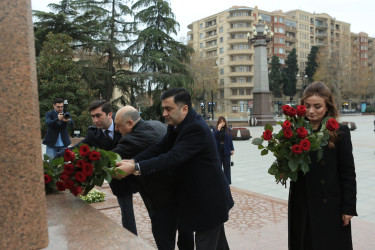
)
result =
(81, 169)
(292, 144)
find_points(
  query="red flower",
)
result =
(94, 155)
(305, 144)
(76, 190)
(287, 125)
(286, 109)
(69, 155)
(84, 150)
(80, 177)
(60, 186)
(302, 132)
(69, 184)
(292, 112)
(267, 135)
(288, 133)
(69, 169)
(332, 124)
(64, 177)
(301, 110)
(88, 169)
(296, 149)
(47, 179)
(80, 163)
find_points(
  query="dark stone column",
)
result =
(23, 223)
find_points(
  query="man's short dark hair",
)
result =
(106, 106)
(181, 96)
(58, 100)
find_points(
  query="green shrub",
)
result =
(370, 110)
(93, 196)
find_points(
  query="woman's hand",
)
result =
(232, 152)
(346, 218)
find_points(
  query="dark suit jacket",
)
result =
(327, 191)
(228, 141)
(189, 151)
(96, 138)
(157, 190)
(54, 127)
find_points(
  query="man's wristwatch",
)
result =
(137, 170)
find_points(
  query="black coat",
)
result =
(318, 199)
(157, 190)
(96, 138)
(189, 151)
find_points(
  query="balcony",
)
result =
(240, 18)
(238, 40)
(321, 43)
(240, 29)
(210, 47)
(321, 25)
(240, 85)
(321, 34)
(240, 51)
(290, 38)
(243, 62)
(243, 74)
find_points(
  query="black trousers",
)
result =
(211, 239)
(127, 212)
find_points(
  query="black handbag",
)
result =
(231, 163)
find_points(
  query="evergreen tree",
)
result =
(159, 57)
(290, 75)
(311, 65)
(59, 76)
(275, 77)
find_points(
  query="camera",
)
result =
(66, 114)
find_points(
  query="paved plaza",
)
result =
(259, 218)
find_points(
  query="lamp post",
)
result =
(261, 35)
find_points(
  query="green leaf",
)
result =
(260, 147)
(257, 141)
(273, 169)
(293, 164)
(304, 168)
(293, 176)
(320, 153)
(264, 152)
(268, 126)
(323, 143)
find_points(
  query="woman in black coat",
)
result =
(322, 202)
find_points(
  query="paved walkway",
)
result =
(259, 218)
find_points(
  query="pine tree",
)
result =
(290, 75)
(311, 65)
(159, 57)
(275, 77)
(59, 76)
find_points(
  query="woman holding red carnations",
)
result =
(322, 202)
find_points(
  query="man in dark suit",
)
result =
(57, 137)
(104, 136)
(189, 152)
(157, 190)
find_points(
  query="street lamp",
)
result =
(261, 35)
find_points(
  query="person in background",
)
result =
(322, 202)
(57, 137)
(224, 144)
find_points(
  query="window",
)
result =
(221, 50)
(201, 35)
(281, 30)
(281, 20)
(242, 106)
(221, 94)
(221, 71)
(221, 60)
(201, 26)
(234, 91)
(281, 40)
(201, 45)
(221, 82)
(221, 30)
(241, 79)
(221, 39)
(241, 91)
(248, 91)
(281, 50)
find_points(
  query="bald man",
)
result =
(157, 190)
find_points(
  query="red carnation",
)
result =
(76, 190)
(84, 150)
(80, 163)
(302, 132)
(267, 135)
(94, 155)
(81, 177)
(292, 112)
(296, 149)
(69, 169)
(69, 155)
(288, 133)
(301, 110)
(69, 184)
(88, 169)
(287, 125)
(286, 109)
(47, 179)
(305, 144)
(332, 124)
(64, 177)
(60, 186)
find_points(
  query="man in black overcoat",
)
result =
(189, 151)
(157, 190)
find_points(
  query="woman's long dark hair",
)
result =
(219, 120)
(320, 89)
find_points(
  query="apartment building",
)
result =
(223, 36)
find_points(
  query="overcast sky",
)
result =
(360, 14)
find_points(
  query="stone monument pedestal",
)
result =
(262, 109)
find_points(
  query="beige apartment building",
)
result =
(223, 36)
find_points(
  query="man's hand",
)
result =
(60, 116)
(66, 120)
(128, 166)
(346, 218)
